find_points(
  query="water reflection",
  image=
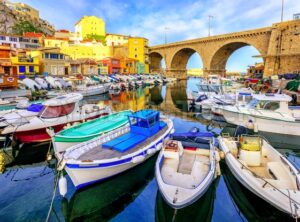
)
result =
(103, 201)
(201, 210)
(156, 95)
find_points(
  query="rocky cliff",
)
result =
(9, 18)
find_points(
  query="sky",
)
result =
(178, 20)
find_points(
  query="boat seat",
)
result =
(117, 140)
(187, 181)
(277, 170)
(130, 143)
(124, 142)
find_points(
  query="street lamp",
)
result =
(209, 18)
(166, 28)
(282, 7)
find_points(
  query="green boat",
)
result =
(89, 130)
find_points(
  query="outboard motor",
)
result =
(201, 98)
(240, 130)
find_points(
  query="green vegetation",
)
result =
(24, 26)
(96, 37)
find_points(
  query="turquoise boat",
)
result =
(89, 130)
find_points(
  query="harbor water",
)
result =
(27, 185)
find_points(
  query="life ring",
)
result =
(10, 79)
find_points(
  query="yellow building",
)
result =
(90, 27)
(195, 72)
(95, 51)
(115, 39)
(25, 64)
(50, 42)
(52, 61)
(23, 9)
(138, 49)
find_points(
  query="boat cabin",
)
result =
(145, 122)
(278, 102)
(60, 106)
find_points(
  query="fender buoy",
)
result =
(62, 185)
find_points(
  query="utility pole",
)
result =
(209, 18)
(166, 28)
(282, 7)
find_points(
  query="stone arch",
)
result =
(155, 62)
(220, 57)
(180, 59)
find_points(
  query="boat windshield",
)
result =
(57, 111)
(264, 104)
(209, 88)
(253, 103)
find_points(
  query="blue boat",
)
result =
(118, 150)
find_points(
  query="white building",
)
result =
(19, 42)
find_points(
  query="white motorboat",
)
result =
(269, 115)
(204, 98)
(31, 84)
(263, 171)
(116, 151)
(55, 113)
(93, 90)
(184, 170)
(55, 84)
(241, 98)
(41, 82)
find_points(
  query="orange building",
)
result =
(113, 65)
(8, 76)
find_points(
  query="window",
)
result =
(57, 111)
(22, 69)
(35, 41)
(61, 56)
(13, 39)
(272, 106)
(53, 56)
(31, 69)
(47, 55)
(2, 38)
(135, 55)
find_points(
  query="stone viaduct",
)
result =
(278, 45)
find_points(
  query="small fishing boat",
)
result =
(88, 130)
(185, 168)
(264, 171)
(55, 113)
(116, 151)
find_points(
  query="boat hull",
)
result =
(41, 134)
(81, 178)
(278, 132)
(247, 181)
